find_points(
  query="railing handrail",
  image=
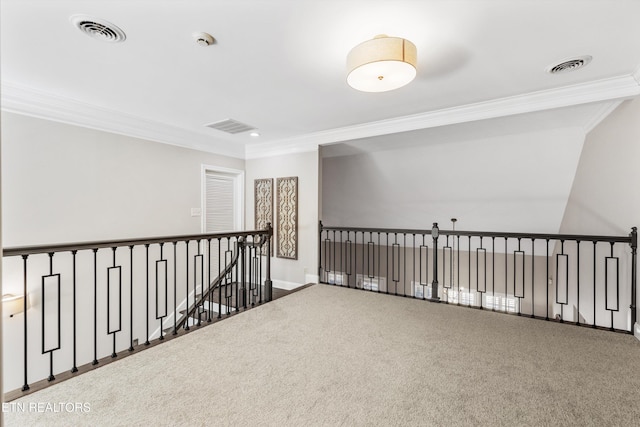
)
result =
(64, 277)
(631, 239)
(67, 247)
(206, 295)
(536, 236)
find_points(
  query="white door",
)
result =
(219, 204)
(223, 192)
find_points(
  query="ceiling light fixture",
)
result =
(254, 134)
(381, 64)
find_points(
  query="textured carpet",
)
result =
(335, 356)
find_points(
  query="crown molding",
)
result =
(617, 88)
(31, 102)
(280, 148)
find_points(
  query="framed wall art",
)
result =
(287, 217)
(263, 203)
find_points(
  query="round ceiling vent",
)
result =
(569, 64)
(98, 28)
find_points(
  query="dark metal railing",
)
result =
(581, 279)
(78, 292)
(246, 293)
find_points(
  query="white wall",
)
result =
(604, 198)
(514, 182)
(63, 183)
(286, 272)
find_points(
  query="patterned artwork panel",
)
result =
(287, 216)
(263, 202)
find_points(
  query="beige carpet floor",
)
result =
(335, 356)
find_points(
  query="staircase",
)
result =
(225, 296)
(221, 302)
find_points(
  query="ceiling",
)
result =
(279, 66)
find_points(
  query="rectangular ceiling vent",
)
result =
(230, 126)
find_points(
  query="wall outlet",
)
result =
(196, 212)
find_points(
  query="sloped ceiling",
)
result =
(481, 173)
(279, 65)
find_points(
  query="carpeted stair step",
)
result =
(213, 310)
(193, 321)
(232, 289)
(213, 303)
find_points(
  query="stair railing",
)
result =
(587, 280)
(86, 304)
(248, 290)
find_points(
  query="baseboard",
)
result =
(636, 330)
(289, 286)
(311, 278)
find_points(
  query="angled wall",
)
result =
(516, 182)
(605, 198)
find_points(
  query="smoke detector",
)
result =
(98, 28)
(203, 39)
(571, 64)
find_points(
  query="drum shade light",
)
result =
(381, 64)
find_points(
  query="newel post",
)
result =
(435, 231)
(243, 270)
(320, 251)
(268, 285)
(634, 280)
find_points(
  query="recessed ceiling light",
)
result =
(254, 134)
